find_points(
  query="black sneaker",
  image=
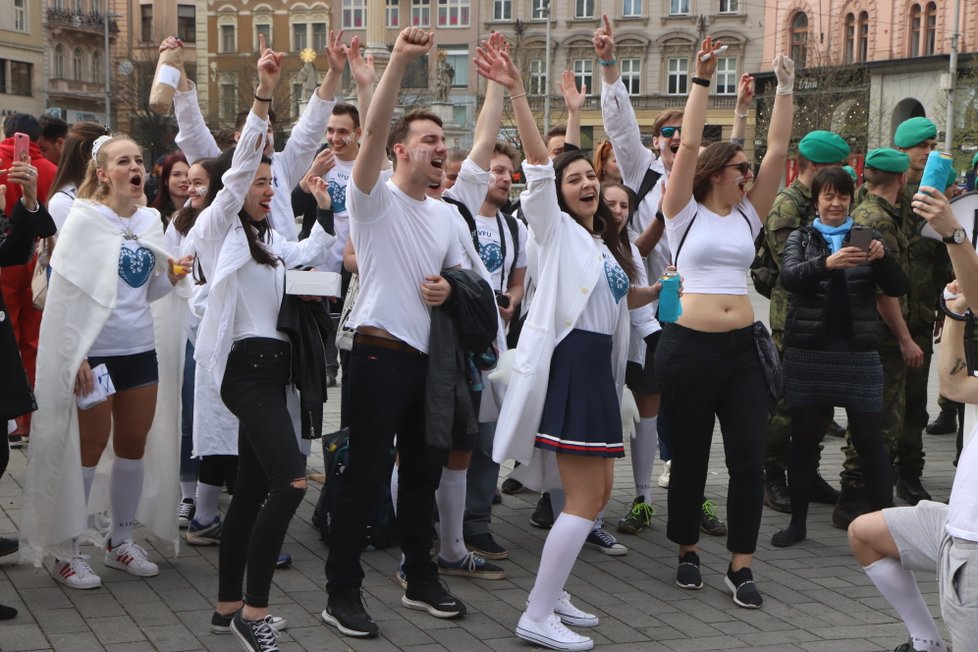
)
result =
(688, 574)
(347, 614)
(486, 546)
(433, 597)
(255, 635)
(909, 488)
(741, 584)
(9, 545)
(543, 515)
(946, 423)
(710, 519)
(221, 624)
(512, 486)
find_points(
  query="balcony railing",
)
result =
(639, 102)
(74, 88)
(84, 21)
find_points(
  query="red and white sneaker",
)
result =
(131, 558)
(75, 573)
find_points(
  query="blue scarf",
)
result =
(834, 235)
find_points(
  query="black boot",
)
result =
(852, 504)
(543, 515)
(946, 423)
(835, 430)
(776, 494)
(823, 492)
(909, 488)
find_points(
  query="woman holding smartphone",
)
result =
(833, 272)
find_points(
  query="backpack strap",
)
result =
(675, 258)
(514, 232)
(645, 187)
(467, 216)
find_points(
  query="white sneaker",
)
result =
(571, 615)
(664, 478)
(551, 633)
(131, 558)
(75, 573)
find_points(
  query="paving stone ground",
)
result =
(816, 596)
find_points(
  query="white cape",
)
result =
(81, 294)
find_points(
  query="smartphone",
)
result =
(22, 146)
(502, 300)
(861, 236)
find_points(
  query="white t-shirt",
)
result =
(257, 308)
(60, 202)
(962, 511)
(399, 241)
(601, 311)
(718, 249)
(337, 180)
(129, 328)
(491, 249)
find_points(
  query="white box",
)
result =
(319, 284)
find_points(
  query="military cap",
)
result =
(886, 159)
(914, 131)
(974, 161)
(824, 147)
(851, 171)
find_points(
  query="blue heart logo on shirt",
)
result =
(491, 255)
(617, 280)
(136, 266)
(337, 195)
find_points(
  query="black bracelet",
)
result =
(700, 81)
(263, 99)
(942, 304)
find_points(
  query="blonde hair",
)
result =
(92, 188)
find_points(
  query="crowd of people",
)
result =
(154, 355)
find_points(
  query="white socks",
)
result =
(563, 545)
(643, 450)
(450, 498)
(88, 477)
(394, 485)
(125, 489)
(188, 490)
(206, 503)
(900, 589)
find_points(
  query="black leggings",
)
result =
(219, 470)
(269, 466)
(808, 426)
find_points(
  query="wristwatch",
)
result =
(958, 236)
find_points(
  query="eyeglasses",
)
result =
(743, 167)
(669, 132)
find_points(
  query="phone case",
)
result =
(22, 145)
(861, 238)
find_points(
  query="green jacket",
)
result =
(877, 213)
(929, 269)
(792, 209)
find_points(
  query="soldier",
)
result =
(929, 270)
(886, 179)
(793, 209)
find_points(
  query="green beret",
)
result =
(886, 159)
(952, 177)
(974, 161)
(914, 131)
(824, 147)
(851, 171)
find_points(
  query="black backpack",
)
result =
(648, 183)
(764, 271)
(514, 230)
(381, 523)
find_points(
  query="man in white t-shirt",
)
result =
(931, 536)
(402, 240)
(343, 136)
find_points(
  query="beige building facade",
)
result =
(21, 57)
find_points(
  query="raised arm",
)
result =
(363, 72)
(952, 367)
(574, 100)
(745, 94)
(193, 137)
(411, 43)
(490, 115)
(768, 181)
(934, 207)
(680, 187)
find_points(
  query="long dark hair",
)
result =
(623, 232)
(711, 161)
(77, 153)
(164, 201)
(186, 216)
(604, 221)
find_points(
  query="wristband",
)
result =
(263, 99)
(516, 97)
(609, 62)
(699, 81)
(741, 115)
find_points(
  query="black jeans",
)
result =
(269, 462)
(704, 377)
(387, 393)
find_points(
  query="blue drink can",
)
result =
(937, 170)
(670, 307)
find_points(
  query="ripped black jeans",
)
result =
(269, 463)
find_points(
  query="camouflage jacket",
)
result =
(792, 209)
(929, 269)
(877, 213)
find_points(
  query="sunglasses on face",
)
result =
(669, 132)
(743, 167)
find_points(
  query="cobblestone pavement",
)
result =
(816, 596)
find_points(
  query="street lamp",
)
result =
(546, 71)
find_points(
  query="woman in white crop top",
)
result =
(564, 394)
(707, 362)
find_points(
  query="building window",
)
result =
(538, 77)
(77, 65)
(678, 7)
(583, 72)
(263, 29)
(729, 6)
(416, 73)
(59, 61)
(227, 39)
(631, 8)
(678, 81)
(77, 6)
(539, 9)
(502, 9)
(393, 18)
(97, 67)
(799, 38)
(146, 23)
(863, 51)
(459, 61)
(187, 23)
(584, 9)
(97, 7)
(930, 28)
(420, 13)
(631, 74)
(299, 40)
(297, 99)
(453, 13)
(850, 27)
(19, 80)
(354, 14)
(319, 38)
(726, 76)
(915, 24)
(20, 15)
(227, 97)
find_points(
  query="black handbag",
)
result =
(770, 362)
